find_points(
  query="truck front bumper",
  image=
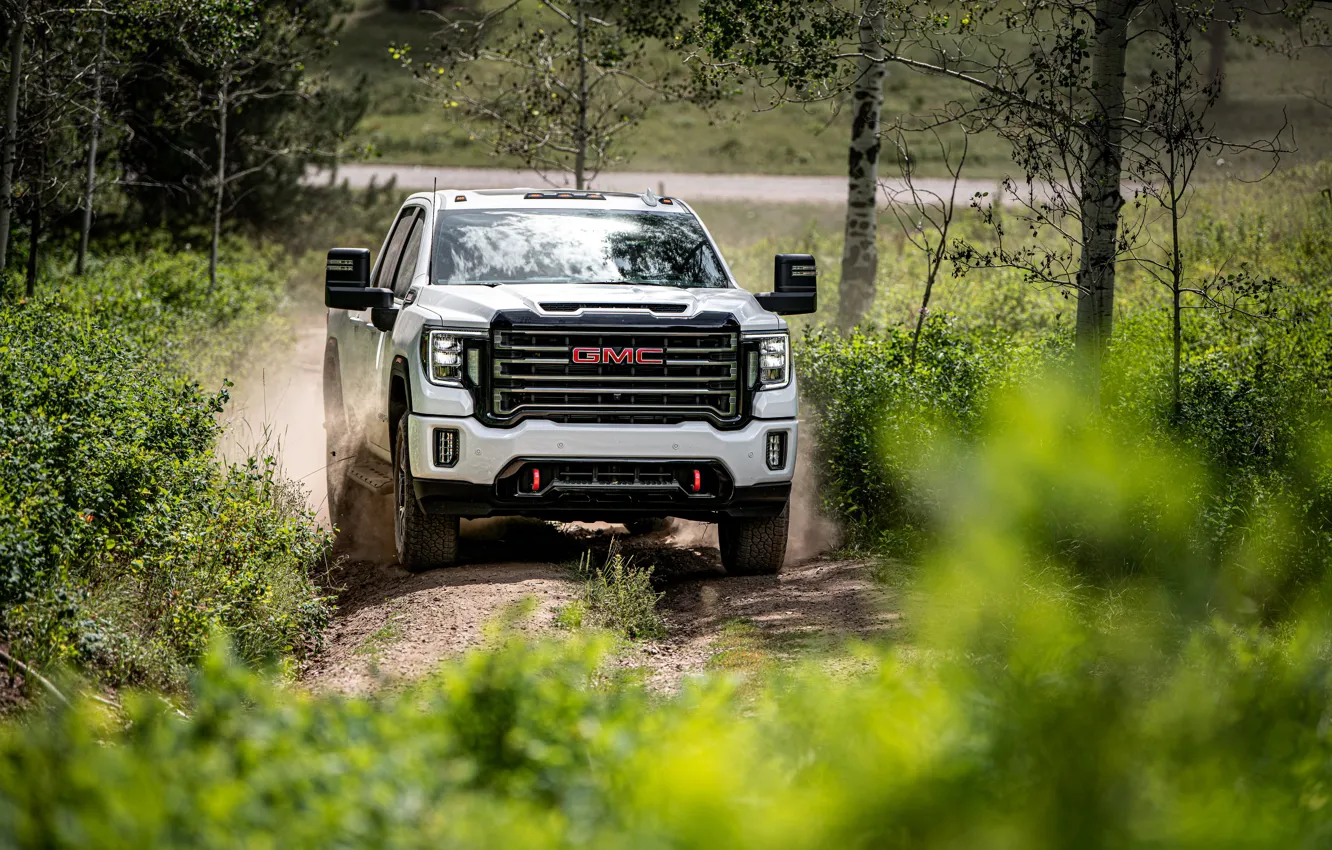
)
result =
(478, 484)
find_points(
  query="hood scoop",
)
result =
(574, 307)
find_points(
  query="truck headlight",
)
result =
(442, 356)
(770, 367)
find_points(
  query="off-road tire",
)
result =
(424, 541)
(754, 545)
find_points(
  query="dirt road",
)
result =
(392, 625)
(765, 188)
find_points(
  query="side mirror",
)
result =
(383, 318)
(347, 281)
(795, 281)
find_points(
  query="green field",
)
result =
(744, 136)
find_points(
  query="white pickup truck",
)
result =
(571, 355)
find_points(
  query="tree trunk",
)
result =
(35, 227)
(580, 132)
(221, 176)
(90, 183)
(1176, 285)
(860, 251)
(11, 133)
(920, 316)
(1101, 196)
(1218, 35)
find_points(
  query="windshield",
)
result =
(575, 246)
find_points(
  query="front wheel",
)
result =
(424, 541)
(754, 545)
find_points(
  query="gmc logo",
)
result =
(618, 355)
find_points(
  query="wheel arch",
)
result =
(399, 397)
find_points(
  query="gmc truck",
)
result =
(565, 355)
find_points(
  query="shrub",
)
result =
(873, 411)
(618, 596)
(1030, 708)
(124, 544)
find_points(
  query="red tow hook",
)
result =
(536, 479)
(698, 481)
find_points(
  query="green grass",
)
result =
(617, 596)
(383, 637)
(743, 136)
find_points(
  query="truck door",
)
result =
(364, 405)
(400, 283)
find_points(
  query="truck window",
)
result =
(388, 263)
(407, 265)
(574, 246)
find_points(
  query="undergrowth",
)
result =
(124, 544)
(617, 596)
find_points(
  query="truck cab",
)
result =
(570, 355)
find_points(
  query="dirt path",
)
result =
(393, 625)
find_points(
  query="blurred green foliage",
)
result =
(1035, 707)
(1253, 390)
(124, 544)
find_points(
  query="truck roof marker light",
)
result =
(666, 201)
(458, 199)
(698, 481)
(564, 196)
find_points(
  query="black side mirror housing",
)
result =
(795, 285)
(347, 281)
(384, 318)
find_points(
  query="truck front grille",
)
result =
(587, 376)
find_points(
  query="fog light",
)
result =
(776, 450)
(446, 446)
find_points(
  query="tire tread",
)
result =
(754, 545)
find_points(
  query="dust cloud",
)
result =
(811, 532)
(277, 410)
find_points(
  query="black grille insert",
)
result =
(615, 374)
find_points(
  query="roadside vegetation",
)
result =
(1089, 664)
(126, 544)
(406, 123)
(1114, 580)
(617, 596)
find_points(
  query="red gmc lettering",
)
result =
(623, 355)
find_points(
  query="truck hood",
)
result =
(474, 306)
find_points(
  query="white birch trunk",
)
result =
(580, 132)
(1101, 198)
(221, 176)
(90, 183)
(860, 252)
